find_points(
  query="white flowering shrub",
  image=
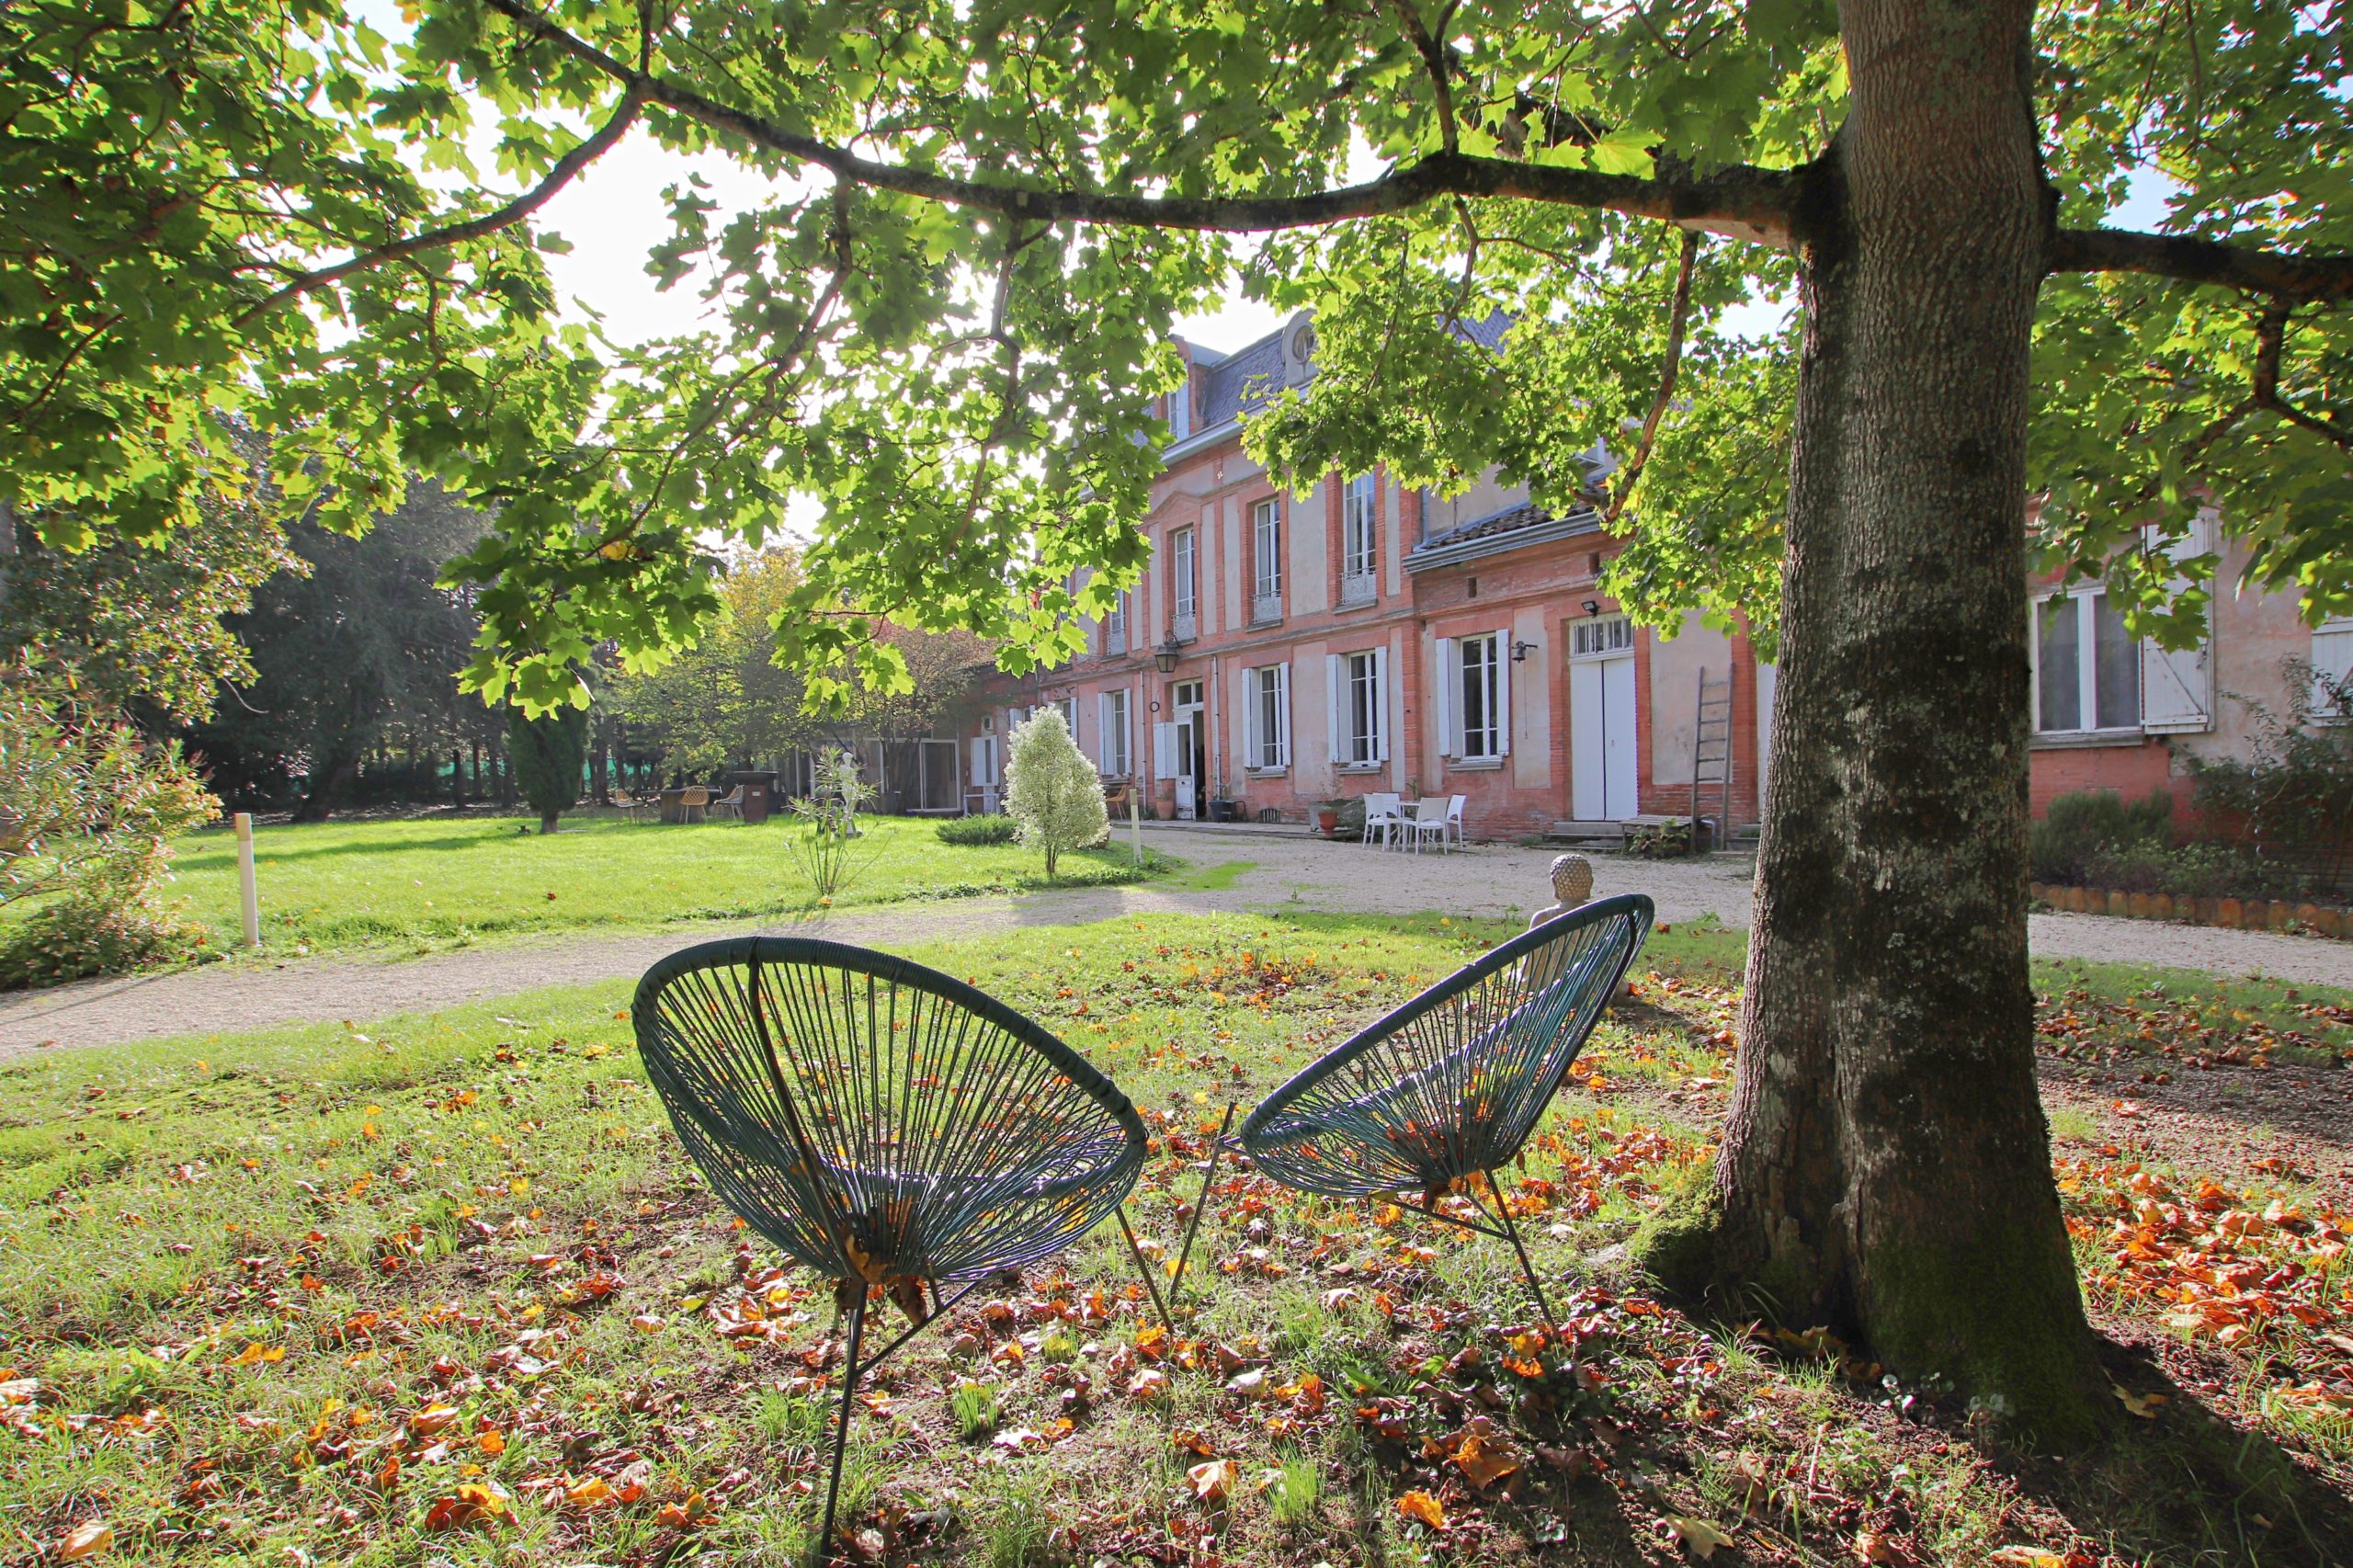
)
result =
(1051, 791)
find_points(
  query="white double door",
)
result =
(1601, 739)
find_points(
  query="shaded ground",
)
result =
(443, 1288)
(1231, 869)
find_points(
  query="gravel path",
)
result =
(1287, 869)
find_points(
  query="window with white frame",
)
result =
(1359, 539)
(1267, 556)
(1183, 572)
(1362, 708)
(1115, 626)
(1268, 693)
(1600, 637)
(2086, 667)
(1112, 714)
(1068, 708)
(1180, 411)
(1482, 712)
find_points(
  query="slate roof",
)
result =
(1511, 520)
(1241, 381)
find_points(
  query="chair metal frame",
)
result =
(858, 1111)
(1498, 1036)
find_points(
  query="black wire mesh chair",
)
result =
(1452, 1082)
(882, 1123)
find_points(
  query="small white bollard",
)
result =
(248, 894)
(1135, 820)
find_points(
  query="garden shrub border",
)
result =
(2230, 914)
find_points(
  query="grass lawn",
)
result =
(443, 1290)
(440, 881)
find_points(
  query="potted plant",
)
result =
(1327, 817)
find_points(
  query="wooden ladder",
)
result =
(1712, 758)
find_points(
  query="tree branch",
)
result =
(560, 175)
(1621, 493)
(1434, 60)
(1757, 200)
(2270, 343)
(2308, 280)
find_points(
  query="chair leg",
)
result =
(1193, 1228)
(1144, 1268)
(1527, 1269)
(841, 1427)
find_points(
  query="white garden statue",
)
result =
(1051, 791)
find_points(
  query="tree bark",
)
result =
(1885, 1168)
(327, 785)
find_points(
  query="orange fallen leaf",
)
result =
(474, 1502)
(1212, 1481)
(1423, 1508)
(86, 1539)
(1698, 1537)
(686, 1514)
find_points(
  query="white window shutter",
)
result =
(2177, 688)
(1335, 704)
(2178, 685)
(1503, 692)
(1103, 731)
(1282, 712)
(1381, 704)
(1448, 663)
(2332, 666)
(1164, 751)
(1245, 716)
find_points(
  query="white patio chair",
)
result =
(1427, 823)
(1455, 832)
(730, 804)
(1382, 817)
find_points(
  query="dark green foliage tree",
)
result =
(548, 753)
(362, 649)
(146, 628)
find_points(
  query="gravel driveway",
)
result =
(1287, 870)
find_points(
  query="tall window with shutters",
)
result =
(1183, 577)
(1360, 542)
(1115, 627)
(1362, 704)
(1482, 713)
(1112, 714)
(1267, 560)
(2088, 668)
(1269, 712)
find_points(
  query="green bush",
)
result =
(2292, 797)
(2060, 847)
(2199, 870)
(978, 830)
(1660, 840)
(547, 754)
(80, 935)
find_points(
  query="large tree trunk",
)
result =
(327, 785)
(1886, 1165)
